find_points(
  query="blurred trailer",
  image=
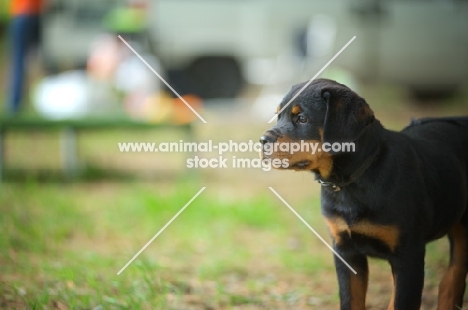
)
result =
(213, 48)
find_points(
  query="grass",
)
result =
(61, 246)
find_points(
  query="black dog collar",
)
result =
(354, 176)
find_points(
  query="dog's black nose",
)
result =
(266, 139)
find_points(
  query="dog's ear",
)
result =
(347, 114)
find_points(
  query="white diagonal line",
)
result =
(313, 230)
(315, 76)
(164, 81)
(161, 230)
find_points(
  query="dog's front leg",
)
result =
(408, 278)
(353, 287)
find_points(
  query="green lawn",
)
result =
(62, 246)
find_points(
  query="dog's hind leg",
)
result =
(452, 286)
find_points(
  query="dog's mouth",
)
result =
(303, 164)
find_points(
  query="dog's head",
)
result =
(324, 112)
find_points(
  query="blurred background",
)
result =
(74, 209)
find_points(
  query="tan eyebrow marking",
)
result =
(296, 110)
(278, 109)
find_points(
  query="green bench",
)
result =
(69, 134)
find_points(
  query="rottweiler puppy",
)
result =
(386, 198)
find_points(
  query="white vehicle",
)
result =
(212, 47)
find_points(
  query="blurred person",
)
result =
(24, 34)
(111, 62)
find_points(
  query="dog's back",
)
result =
(441, 135)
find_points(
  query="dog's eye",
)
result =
(302, 119)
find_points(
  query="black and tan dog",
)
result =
(395, 193)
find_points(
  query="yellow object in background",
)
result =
(161, 108)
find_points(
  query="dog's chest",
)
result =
(362, 233)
